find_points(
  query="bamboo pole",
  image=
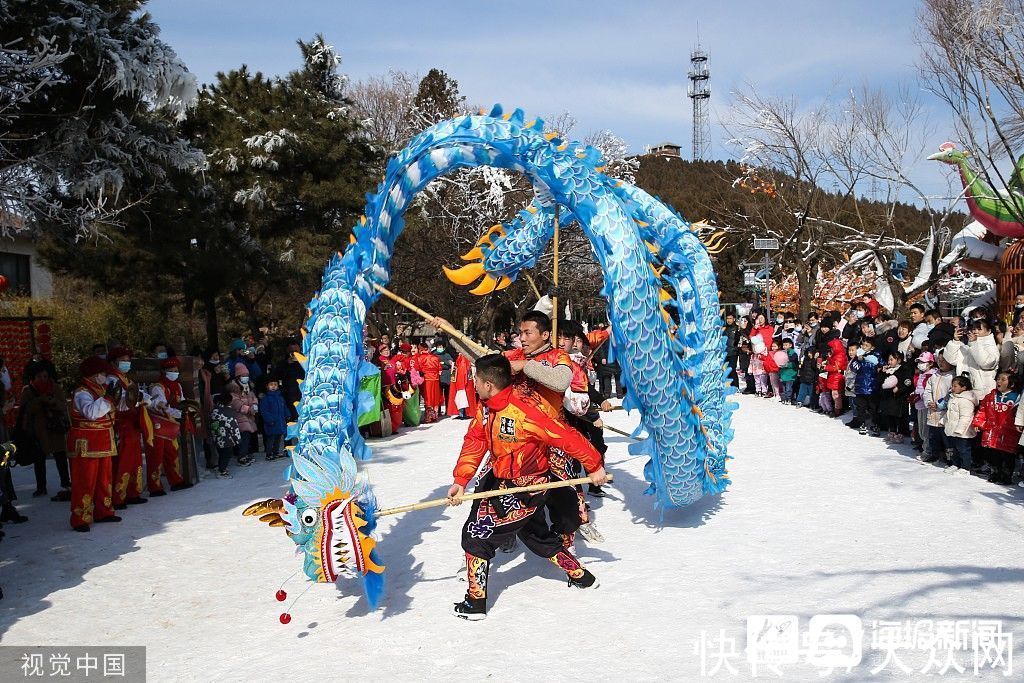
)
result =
(482, 350)
(437, 502)
(554, 299)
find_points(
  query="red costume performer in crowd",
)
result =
(165, 397)
(429, 366)
(461, 393)
(133, 426)
(91, 447)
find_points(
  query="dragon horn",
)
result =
(473, 254)
(263, 506)
(503, 283)
(466, 274)
(486, 286)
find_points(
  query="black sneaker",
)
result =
(137, 500)
(182, 486)
(588, 580)
(471, 609)
(155, 494)
(107, 520)
(596, 491)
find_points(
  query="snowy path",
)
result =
(818, 521)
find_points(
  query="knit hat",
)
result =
(168, 363)
(236, 345)
(405, 347)
(118, 352)
(93, 365)
(241, 370)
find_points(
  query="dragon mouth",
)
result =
(337, 540)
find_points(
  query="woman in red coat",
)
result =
(462, 393)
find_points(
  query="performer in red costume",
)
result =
(165, 399)
(429, 366)
(133, 426)
(91, 447)
(461, 393)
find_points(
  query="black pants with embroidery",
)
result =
(492, 521)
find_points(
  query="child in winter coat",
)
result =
(935, 392)
(777, 359)
(897, 384)
(788, 370)
(925, 370)
(835, 367)
(759, 353)
(245, 405)
(960, 406)
(808, 376)
(865, 387)
(275, 417)
(224, 432)
(999, 434)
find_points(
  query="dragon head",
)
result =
(949, 154)
(330, 523)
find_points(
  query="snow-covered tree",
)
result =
(88, 99)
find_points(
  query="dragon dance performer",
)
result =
(582, 400)
(132, 425)
(91, 446)
(518, 433)
(541, 369)
(166, 397)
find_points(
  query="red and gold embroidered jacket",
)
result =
(92, 423)
(516, 431)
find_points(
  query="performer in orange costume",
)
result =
(518, 435)
(91, 447)
(133, 425)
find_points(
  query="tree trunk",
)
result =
(806, 288)
(212, 332)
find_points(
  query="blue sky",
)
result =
(616, 65)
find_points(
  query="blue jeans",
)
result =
(803, 396)
(273, 444)
(787, 391)
(961, 451)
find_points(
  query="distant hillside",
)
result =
(703, 190)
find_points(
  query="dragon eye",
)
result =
(308, 517)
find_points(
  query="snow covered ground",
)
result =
(819, 521)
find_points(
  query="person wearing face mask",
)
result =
(132, 425)
(1018, 310)
(925, 371)
(91, 447)
(246, 406)
(165, 406)
(160, 351)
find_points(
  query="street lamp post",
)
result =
(765, 266)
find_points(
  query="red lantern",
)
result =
(3, 283)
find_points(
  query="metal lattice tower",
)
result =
(700, 93)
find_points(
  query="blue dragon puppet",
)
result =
(662, 304)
